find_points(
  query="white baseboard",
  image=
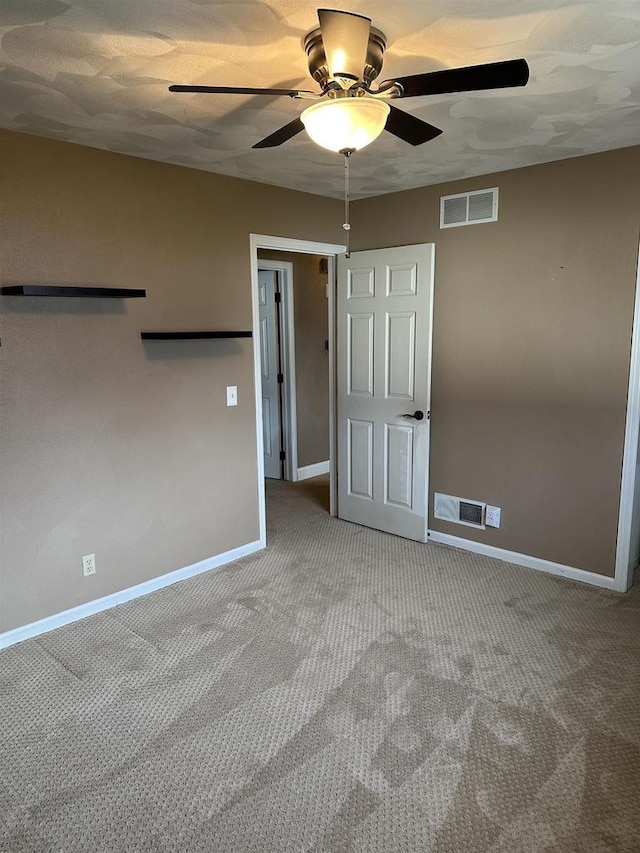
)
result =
(537, 563)
(43, 626)
(313, 470)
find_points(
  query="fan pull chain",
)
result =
(346, 224)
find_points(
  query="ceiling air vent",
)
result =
(469, 208)
(459, 510)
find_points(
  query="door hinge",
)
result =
(428, 416)
(280, 378)
(278, 297)
(283, 455)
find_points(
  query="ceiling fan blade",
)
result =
(239, 90)
(345, 37)
(411, 129)
(495, 75)
(281, 135)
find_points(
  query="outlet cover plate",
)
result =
(89, 565)
(492, 516)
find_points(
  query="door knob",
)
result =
(417, 415)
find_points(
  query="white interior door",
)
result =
(384, 311)
(269, 373)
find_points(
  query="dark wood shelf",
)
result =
(56, 290)
(192, 336)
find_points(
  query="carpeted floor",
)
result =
(343, 690)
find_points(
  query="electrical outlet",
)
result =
(232, 395)
(89, 565)
(492, 516)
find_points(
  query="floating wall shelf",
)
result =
(192, 336)
(55, 290)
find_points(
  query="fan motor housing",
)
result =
(314, 48)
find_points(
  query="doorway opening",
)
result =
(294, 352)
(299, 427)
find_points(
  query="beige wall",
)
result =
(108, 445)
(312, 359)
(532, 324)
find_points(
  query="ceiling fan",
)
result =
(345, 57)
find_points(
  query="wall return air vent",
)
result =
(469, 208)
(459, 510)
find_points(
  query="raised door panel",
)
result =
(267, 428)
(398, 465)
(402, 279)
(361, 283)
(360, 354)
(265, 360)
(400, 346)
(360, 458)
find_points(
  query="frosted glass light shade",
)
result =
(345, 123)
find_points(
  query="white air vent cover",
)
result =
(459, 510)
(469, 208)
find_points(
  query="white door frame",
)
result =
(284, 271)
(624, 568)
(303, 247)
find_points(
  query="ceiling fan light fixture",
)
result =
(345, 123)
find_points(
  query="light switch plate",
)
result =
(232, 395)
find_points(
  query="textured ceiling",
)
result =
(95, 72)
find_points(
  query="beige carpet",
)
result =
(344, 690)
